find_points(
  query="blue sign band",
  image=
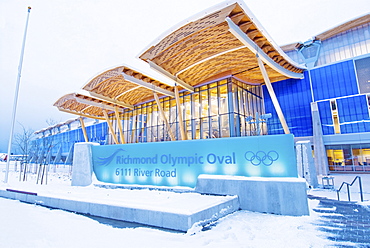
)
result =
(179, 163)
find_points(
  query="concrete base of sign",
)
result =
(176, 219)
(285, 196)
(82, 168)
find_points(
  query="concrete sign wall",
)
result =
(179, 163)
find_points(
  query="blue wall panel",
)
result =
(334, 81)
(294, 96)
(326, 117)
(353, 114)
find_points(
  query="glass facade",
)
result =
(326, 117)
(349, 44)
(61, 144)
(334, 81)
(215, 110)
(294, 96)
(293, 54)
(349, 157)
(363, 74)
(354, 114)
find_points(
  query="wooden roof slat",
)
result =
(190, 42)
(245, 26)
(103, 76)
(126, 88)
(82, 105)
(191, 57)
(192, 53)
(252, 33)
(203, 23)
(237, 17)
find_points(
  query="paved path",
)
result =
(344, 222)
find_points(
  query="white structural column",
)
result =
(149, 86)
(254, 48)
(175, 79)
(181, 122)
(133, 131)
(116, 112)
(164, 117)
(84, 129)
(273, 96)
(110, 127)
(321, 160)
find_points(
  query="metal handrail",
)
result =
(350, 184)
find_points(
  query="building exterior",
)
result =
(337, 83)
(221, 65)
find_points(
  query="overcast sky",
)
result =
(71, 41)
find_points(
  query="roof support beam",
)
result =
(147, 85)
(84, 129)
(127, 91)
(111, 130)
(95, 104)
(179, 113)
(164, 116)
(118, 103)
(84, 109)
(209, 58)
(273, 96)
(116, 112)
(241, 36)
(133, 132)
(80, 114)
(176, 80)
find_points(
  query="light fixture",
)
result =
(259, 120)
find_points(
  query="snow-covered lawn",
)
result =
(26, 225)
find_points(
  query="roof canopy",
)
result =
(222, 43)
(126, 87)
(83, 105)
(114, 89)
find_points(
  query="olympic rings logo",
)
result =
(261, 157)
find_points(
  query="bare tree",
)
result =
(23, 140)
(51, 122)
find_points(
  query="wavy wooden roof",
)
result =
(205, 48)
(126, 87)
(83, 105)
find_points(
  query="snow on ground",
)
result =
(27, 225)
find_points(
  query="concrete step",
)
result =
(178, 213)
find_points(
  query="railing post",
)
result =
(338, 195)
(349, 194)
(360, 185)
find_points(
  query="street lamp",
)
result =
(16, 98)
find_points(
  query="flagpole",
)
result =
(16, 99)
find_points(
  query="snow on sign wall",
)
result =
(179, 163)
